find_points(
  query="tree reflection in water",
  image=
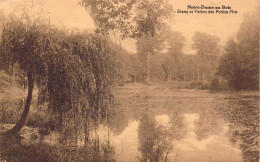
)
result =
(177, 127)
(15, 150)
(243, 114)
(154, 140)
(207, 125)
(73, 147)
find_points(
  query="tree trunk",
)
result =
(25, 113)
(169, 73)
(203, 77)
(169, 77)
(165, 71)
(198, 78)
(148, 67)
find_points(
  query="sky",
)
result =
(71, 15)
(222, 25)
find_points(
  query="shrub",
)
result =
(10, 110)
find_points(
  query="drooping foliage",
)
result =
(2, 21)
(73, 71)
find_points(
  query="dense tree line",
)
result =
(164, 67)
(167, 60)
(240, 63)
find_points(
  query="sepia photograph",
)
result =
(129, 80)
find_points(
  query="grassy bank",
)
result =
(180, 84)
(11, 110)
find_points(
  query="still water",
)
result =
(157, 123)
(160, 124)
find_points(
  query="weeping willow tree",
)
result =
(72, 71)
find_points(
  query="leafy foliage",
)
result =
(73, 71)
(148, 45)
(175, 42)
(111, 15)
(2, 21)
(240, 63)
(133, 18)
(154, 141)
(206, 45)
(151, 16)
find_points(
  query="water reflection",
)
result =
(155, 127)
(34, 152)
(119, 121)
(213, 147)
(207, 125)
(176, 123)
(33, 147)
(154, 140)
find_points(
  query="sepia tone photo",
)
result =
(129, 80)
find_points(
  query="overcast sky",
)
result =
(223, 26)
(72, 15)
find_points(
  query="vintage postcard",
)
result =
(129, 80)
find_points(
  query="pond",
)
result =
(157, 123)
